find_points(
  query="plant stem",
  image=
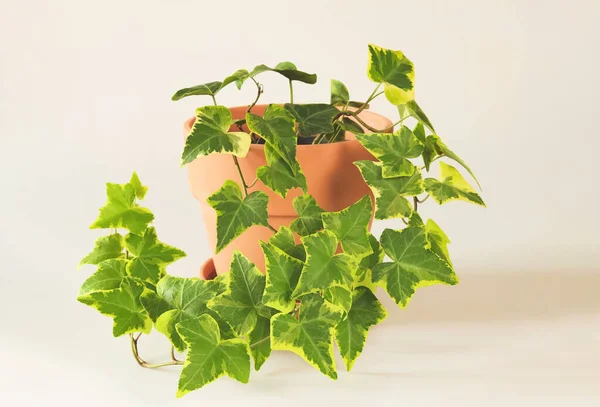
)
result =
(142, 362)
(416, 203)
(422, 200)
(291, 92)
(258, 93)
(359, 120)
(253, 183)
(237, 164)
(173, 358)
(272, 228)
(214, 99)
(255, 344)
(373, 95)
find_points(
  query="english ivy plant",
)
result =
(313, 293)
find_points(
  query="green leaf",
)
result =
(123, 305)
(313, 118)
(284, 240)
(282, 273)
(239, 77)
(419, 114)
(395, 71)
(241, 304)
(206, 89)
(393, 150)
(413, 264)
(121, 211)
(180, 300)
(429, 151)
(339, 296)
(339, 93)
(105, 247)
(351, 226)
(452, 186)
(390, 192)
(260, 343)
(311, 335)
(288, 70)
(140, 190)
(236, 214)
(443, 149)
(210, 357)
(151, 255)
(347, 124)
(309, 218)
(278, 175)
(438, 240)
(419, 132)
(363, 276)
(108, 276)
(210, 134)
(351, 333)
(324, 268)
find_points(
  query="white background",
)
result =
(512, 86)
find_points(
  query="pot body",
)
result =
(332, 179)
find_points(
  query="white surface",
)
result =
(512, 86)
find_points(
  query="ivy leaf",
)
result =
(452, 186)
(351, 333)
(339, 296)
(429, 151)
(438, 240)
(210, 357)
(288, 70)
(108, 276)
(278, 175)
(419, 132)
(363, 277)
(390, 192)
(123, 305)
(347, 124)
(282, 273)
(151, 255)
(239, 77)
(413, 264)
(121, 211)
(395, 71)
(339, 93)
(180, 300)
(351, 226)
(309, 218)
(236, 214)
(105, 247)
(419, 114)
(443, 150)
(284, 240)
(212, 88)
(260, 343)
(241, 304)
(313, 118)
(393, 150)
(324, 268)
(140, 190)
(210, 134)
(311, 335)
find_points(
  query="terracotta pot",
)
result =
(332, 180)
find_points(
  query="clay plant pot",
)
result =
(332, 178)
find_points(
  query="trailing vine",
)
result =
(310, 294)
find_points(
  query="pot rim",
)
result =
(259, 147)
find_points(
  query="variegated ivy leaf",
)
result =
(284, 240)
(390, 201)
(121, 210)
(313, 118)
(309, 218)
(210, 357)
(413, 264)
(210, 134)
(212, 88)
(260, 342)
(339, 93)
(419, 114)
(178, 300)
(393, 150)
(438, 240)
(123, 305)
(151, 255)
(278, 175)
(351, 226)
(430, 151)
(442, 149)
(347, 124)
(395, 71)
(282, 273)
(236, 214)
(108, 276)
(242, 303)
(323, 268)
(276, 127)
(363, 277)
(105, 247)
(419, 132)
(140, 190)
(288, 70)
(311, 335)
(452, 186)
(351, 333)
(339, 296)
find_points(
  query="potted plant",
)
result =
(288, 192)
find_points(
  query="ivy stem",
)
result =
(291, 92)
(372, 96)
(173, 357)
(271, 227)
(255, 344)
(237, 164)
(253, 183)
(142, 362)
(214, 99)
(258, 93)
(416, 203)
(422, 200)
(359, 120)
